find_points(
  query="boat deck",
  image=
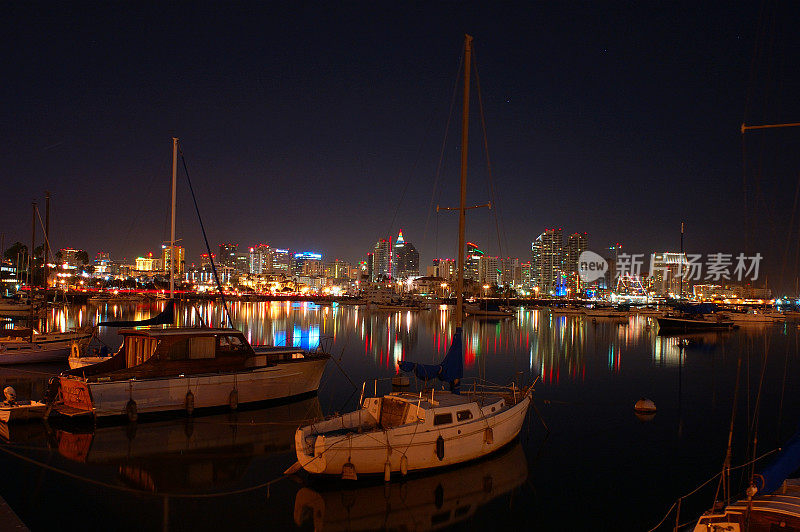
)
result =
(777, 511)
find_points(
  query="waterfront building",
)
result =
(147, 263)
(546, 262)
(405, 260)
(104, 266)
(70, 257)
(338, 269)
(307, 264)
(577, 243)
(525, 275)
(665, 273)
(381, 260)
(166, 258)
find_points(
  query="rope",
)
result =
(117, 487)
(205, 238)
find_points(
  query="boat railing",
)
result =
(473, 386)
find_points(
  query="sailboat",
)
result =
(404, 431)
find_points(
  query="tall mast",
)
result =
(680, 265)
(462, 205)
(33, 246)
(172, 225)
(47, 239)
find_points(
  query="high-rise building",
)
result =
(512, 273)
(665, 274)
(281, 262)
(525, 275)
(576, 244)
(472, 262)
(546, 261)
(166, 259)
(489, 270)
(337, 269)
(405, 260)
(205, 261)
(260, 259)
(227, 254)
(382, 260)
(307, 264)
(444, 268)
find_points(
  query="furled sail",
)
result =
(451, 369)
(166, 317)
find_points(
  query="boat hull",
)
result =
(407, 447)
(187, 393)
(16, 413)
(49, 347)
(680, 324)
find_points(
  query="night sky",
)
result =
(320, 128)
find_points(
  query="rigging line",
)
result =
(44, 231)
(441, 154)
(756, 414)
(205, 238)
(492, 193)
(411, 174)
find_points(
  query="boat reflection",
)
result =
(187, 455)
(420, 503)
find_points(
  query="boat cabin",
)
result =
(437, 412)
(166, 351)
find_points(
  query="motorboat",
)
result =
(29, 346)
(167, 369)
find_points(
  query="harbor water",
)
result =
(584, 458)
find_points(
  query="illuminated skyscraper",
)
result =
(260, 259)
(307, 264)
(382, 260)
(472, 262)
(405, 260)
(166, 260)
(576, 244)
(227, 254)
(546, 261)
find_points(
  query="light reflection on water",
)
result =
(591, 371)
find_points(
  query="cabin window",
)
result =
(139, 349)
(231, 345)
(463, 415)
(202, 347)
(442, 419)
(178, 349)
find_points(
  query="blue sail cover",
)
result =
(786, 463)
(451, 369)
(697, 308)
(166, 317)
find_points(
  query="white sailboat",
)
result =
(402, 432)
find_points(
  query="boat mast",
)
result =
(33, 246)
(172, 226)
(462, 205)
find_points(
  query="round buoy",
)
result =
(189, 402)
(644, 406)
(233, 399)
(131, 411)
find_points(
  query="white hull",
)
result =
(11, 414)
(48, 347)
(411, 446)
(213, 390)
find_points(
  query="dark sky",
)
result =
(319, 128)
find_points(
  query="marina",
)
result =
(581, 430)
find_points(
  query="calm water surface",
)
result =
(583, 459)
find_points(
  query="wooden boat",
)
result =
(22, 411)
(402, 432)
(182, 369)
(39, 347)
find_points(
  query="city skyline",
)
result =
(322, 129)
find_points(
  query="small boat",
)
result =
(405, 431)
(12, 411)
(488, 309)
(667, 324)
(754, 316)
(39, 347)
(163, 369)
